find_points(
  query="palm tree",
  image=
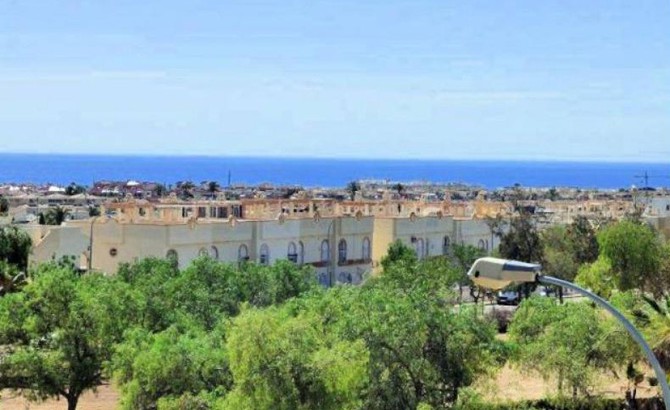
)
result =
(185, 188)
(352, 188)
(213, 187)
(658, 328)
(56, 216)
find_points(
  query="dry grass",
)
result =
(107, 398)
(509, 384)
(513, 385)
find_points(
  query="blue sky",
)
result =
(529, 79)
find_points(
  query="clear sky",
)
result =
(500, 79)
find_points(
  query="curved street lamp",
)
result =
(495, 274)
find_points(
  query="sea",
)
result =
(316, 172)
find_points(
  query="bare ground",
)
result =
(509, 384)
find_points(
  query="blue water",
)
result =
(84, 169)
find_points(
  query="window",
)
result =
(238, 211)
(214, 253)
(301, 253)
(173, 257)
(292, 254)
(264, 257)
(418, 248)
(366, 249)
(446, 242)
(342, 251)
(481, 245)
(202, 212)
(222, 212)
(325, 251)
(203, 252)
(242, 253)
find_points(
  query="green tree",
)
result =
(55, 215)
(59, 331)
(4, 205)
(298, 365)
(74, 189)
(93, 211)
(633, 250)
(564, 341)
(172, 365)
(522, 241)
(559, 258)
(598, 277)
(582, 240)
(398, 252)
(15, 247)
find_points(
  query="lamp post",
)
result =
(495, 274)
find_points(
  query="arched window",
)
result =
(214, 253)
(292, 253)
(243, 253)
(325, 251)
(264, 257)
(446, 242)
(418, 248)
(342, 251)
(203, 252)
(173, 257)
(366, 249)
(301, 253)
(482, 245)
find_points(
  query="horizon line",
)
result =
(347, 158)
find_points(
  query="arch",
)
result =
(446, 244)
(301, 253)
(264, 255)
(292, 252)
(418, 248)
(203, 252)
(242, 253)
(481, 245)
(366, 249)
(325, 251)
(214, 252)
(342, 251)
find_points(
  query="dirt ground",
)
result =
(510, 384)
(106, 398)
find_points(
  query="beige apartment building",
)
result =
(342, 241)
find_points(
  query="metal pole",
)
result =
(660, 374)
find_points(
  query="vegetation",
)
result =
(222, 336)
(4, 206)
(352, 188)
(74, 189)
(54, 216)
(15, 246)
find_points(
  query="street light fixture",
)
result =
(495, 274)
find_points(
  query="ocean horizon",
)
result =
(85, 169)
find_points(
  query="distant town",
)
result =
(342, 232)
